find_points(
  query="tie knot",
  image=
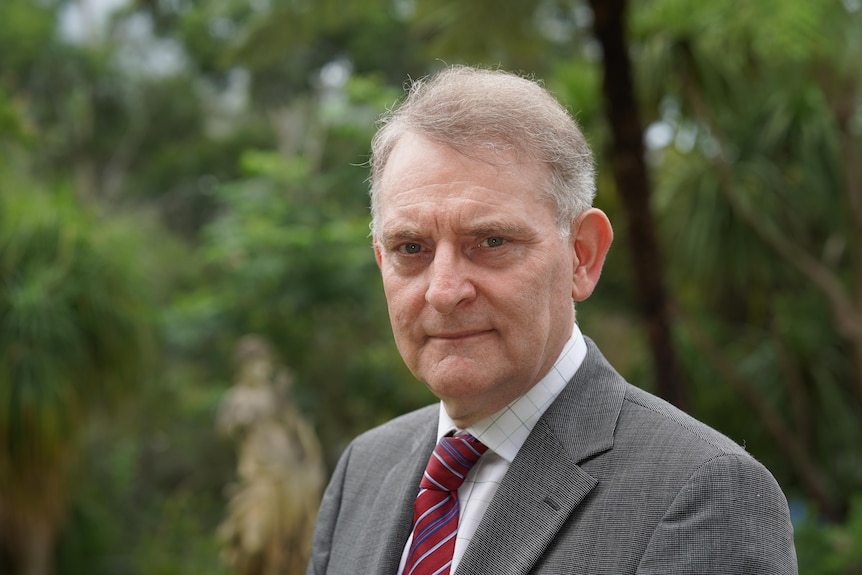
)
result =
(452, 459)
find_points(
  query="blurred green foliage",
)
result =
(828, 549)
(185, 173)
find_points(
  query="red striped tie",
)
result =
(435, 516)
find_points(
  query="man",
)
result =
(481, 189)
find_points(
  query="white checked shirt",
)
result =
(504, 433)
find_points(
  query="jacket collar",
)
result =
(392, 518)
(545, 483)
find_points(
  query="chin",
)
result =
(455, 373)
(468, 389)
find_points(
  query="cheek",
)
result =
(559, 279)
(547, 297)
(550, 281)
(404, 300)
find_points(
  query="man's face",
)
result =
(477, 279)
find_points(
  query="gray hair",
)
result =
(478, 112)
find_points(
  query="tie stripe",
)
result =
(435, 519)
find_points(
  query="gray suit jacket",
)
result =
(611, 480)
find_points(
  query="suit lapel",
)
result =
(544, 484)
(528, 509)
(392, 518)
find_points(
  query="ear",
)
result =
(378, 256)
(592, 235)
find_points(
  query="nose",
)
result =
(449, 284)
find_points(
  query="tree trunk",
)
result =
(29, 543)
(630, 174)
(39, 551)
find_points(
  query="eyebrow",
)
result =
(501, 228)
(398, 234)
(481, 229)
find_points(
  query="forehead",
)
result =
(422, 172)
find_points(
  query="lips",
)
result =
(459, 335)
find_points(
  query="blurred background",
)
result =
(192, 326)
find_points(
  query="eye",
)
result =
(411, 248)
(492, 242)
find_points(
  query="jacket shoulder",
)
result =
(403, 430)
(641, 407)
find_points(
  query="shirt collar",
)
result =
(505, 431)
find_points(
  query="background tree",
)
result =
(72, 341)
(633, 184)
(760, 198)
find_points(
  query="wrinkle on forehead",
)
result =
(430, 186)
(463, 216)
(482, 162)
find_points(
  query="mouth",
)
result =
(459, 335)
